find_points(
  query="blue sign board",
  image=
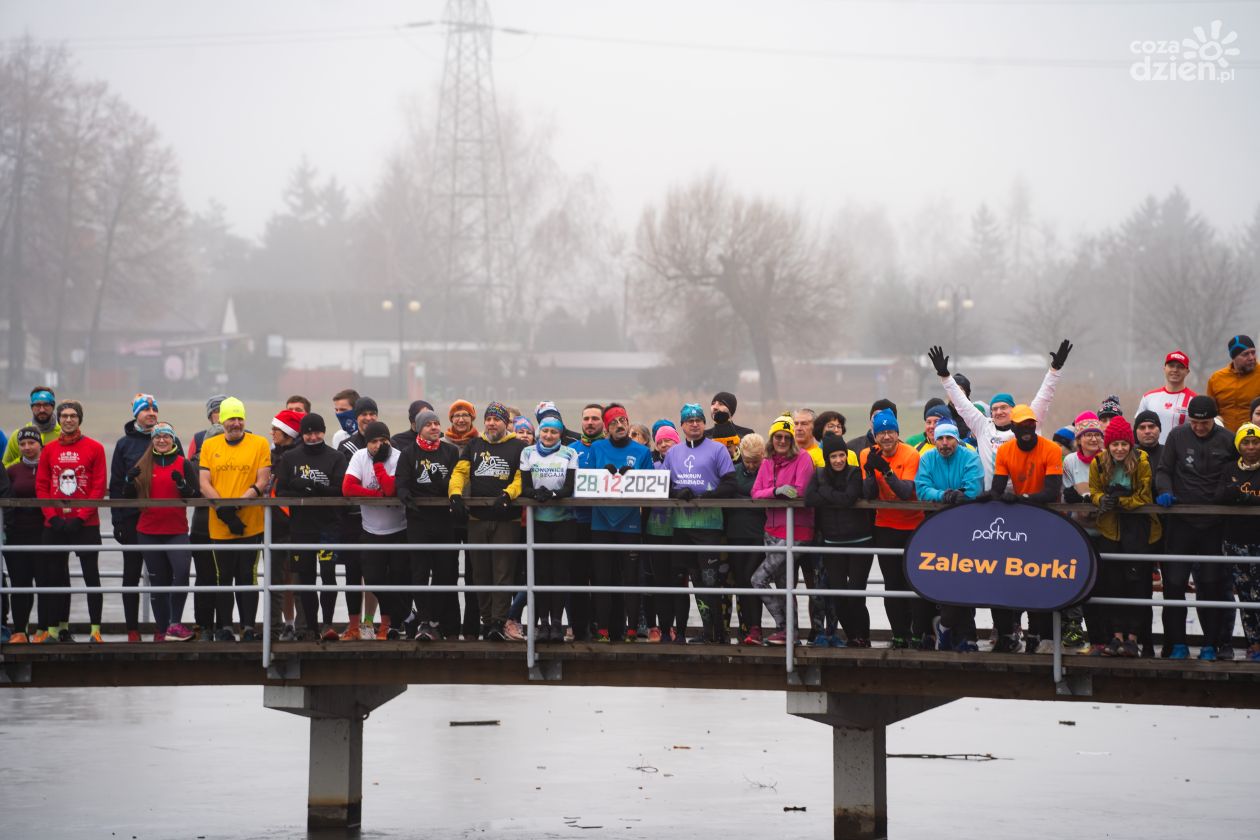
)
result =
(1015, 555)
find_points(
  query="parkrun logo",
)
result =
(995, 532)
(1203, 58)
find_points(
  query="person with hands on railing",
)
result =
(312, 469)
(548, 471)
(888, 470)
(25, 526)
(1240, 485)
(991, 432)
(489, 468)
(700, 468)
(1087, 433)
(163, 472)
(1195, 457)
(235, 465)
(951, 473)
(1120, 481)
(783, 474)
(371, 474)
(72, 467)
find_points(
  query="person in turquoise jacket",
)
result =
(950, 474)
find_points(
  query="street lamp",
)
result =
(956, 299)
(402, 305)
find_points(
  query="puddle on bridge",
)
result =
(212, 763)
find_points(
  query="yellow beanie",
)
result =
(783, 423)
(230, 408)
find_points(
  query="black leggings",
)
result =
(133, 567)
(207, 571)
(433, 567)
(707, 569)
(387, 567)
(552, 568)
(850, 571)
(744, 563)
(23, 569)
(615, 613)
(56, 572)
(304, 564)
(906, 617)
(670, 568)
(1212, 582)
(237, 568)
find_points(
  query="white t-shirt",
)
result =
(1169, 405)
(377, 520)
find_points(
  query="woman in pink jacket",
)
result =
(784, 474)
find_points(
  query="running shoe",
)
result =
(66, 637)
(367, 632)
(1006, 644)
(753, 639)
(822, 640)
(178, 633)
(899, 643)
(859, 643)
(496, 634)
(1098, 650)
(352, 633)
(425, 634)
(601, 635)
(944, 636)
(1179, 652)
(159, 637)
(836, 641)
(43, 637)
(779, 638)
(18, 639)
(225, 634)
(967, 646)
(1130, 649)
(654, 635)
(1207, 653)
(288, 634)
(1045, 646)
(1157, 579)
(133, 635)
(393, 634)
(1225, 653)
(330, 634)
(1115, 647)
(249, 634)
(1073, 635)
(514, 631)
(1031, 643)
(630, 636)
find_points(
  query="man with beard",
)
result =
(580, 603)
(43, 419)
(724, 431)
(1234, 386)
(361, 606)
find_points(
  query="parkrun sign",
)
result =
(1001, 554)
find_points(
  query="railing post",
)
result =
(530, 653)
(266, 588)
(790, 591)
(4, 568)
(1057, 624)
(145, 599)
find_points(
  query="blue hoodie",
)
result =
(960, 471)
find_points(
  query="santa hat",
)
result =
(289, 422)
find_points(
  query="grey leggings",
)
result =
(168, 566)
(772, 570)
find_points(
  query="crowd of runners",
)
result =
(1176, 448)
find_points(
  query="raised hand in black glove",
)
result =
(1058, 358)
(458, 507)
(229, 516)
(381, 455)
(683, 494)
(939, 360)
(611, 469)
(1072, 496)
(877, 462)
(544, 494)
(133, 474)
(503, 502)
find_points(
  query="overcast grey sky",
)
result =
(825, 102)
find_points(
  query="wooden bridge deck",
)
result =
(876, 671)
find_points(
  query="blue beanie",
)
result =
(940, 412)
(691, 411)
(1065, 435)
(884, 421)
(1002, 398)
(656, 427)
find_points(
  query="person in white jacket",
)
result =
(992, 432)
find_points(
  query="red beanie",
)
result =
(1118, 429)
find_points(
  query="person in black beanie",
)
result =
(1147, 431)
(867, 440)
(724, 431)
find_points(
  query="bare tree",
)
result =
(712, 250)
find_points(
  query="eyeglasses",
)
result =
(69, 414)
(463, 414)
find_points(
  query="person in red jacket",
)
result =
(164, 473)
(71, 468)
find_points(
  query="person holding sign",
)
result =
(784, 474)
(950, 473)
(548, 469)
(618, 454)
(888, 471)
(1028, 467)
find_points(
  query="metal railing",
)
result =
(791, 548)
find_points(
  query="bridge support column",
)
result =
(858, 754)
(335, 787)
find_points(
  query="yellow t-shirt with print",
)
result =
(233, 470)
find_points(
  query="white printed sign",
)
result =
(634, 484)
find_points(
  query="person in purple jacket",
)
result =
(701, 468)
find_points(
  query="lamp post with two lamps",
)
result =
(401, 304)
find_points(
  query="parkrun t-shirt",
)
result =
(233, 470)
(699, 467)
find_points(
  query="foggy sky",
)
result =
(1089, 141)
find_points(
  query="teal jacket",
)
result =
(960, 471)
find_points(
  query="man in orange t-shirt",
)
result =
(888, 471)
(1028, 467)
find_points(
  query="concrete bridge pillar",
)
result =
(858, 754)
(335, 787)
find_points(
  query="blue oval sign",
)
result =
(1015, 555)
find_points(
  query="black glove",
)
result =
(952, 497)
(186, 490)
(503, 502)
(458, 507)
(228, 516)
(876, 461)
(939, 360)
(1109, 502)
(57, 524)
(1057, 359)
(73, 526)
(624, 469)
(544, 494)
(611, 469)
(683, 494)
(381, 455)
(1072, 496)
(305, 486)
(133, 474)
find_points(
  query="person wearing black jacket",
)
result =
(365, 411)
(747, 526)
(833, 490)
(1195, 457)
(724, 431)
(424, 472)
(311, 469)
(1240, 485)
(23, 526)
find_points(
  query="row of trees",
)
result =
(90, 212)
